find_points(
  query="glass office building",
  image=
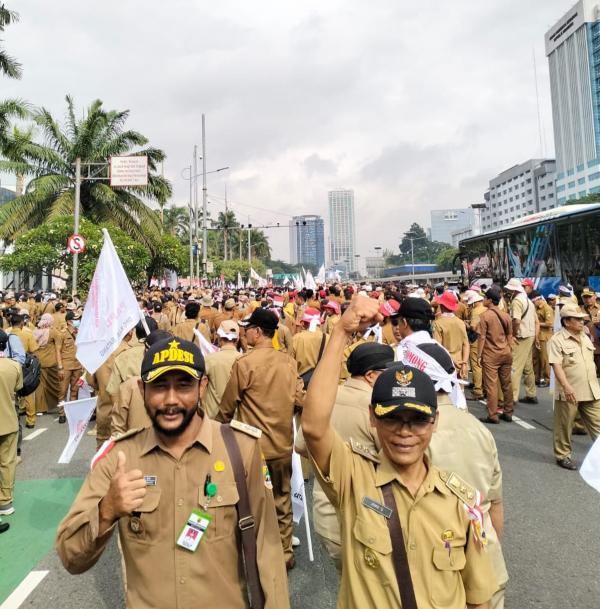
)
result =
(307, 240)
(342, 229)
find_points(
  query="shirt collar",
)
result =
(386, 472)
(358, 384)
(204, 438)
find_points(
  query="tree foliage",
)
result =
(424, 249)
(50, 163)
(231, 268)
(9, 66)
(44, 250)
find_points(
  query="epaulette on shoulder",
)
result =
(245, 428)
(128, 434)
(465, 492)
(363, 451)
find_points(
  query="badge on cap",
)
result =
(404, 377)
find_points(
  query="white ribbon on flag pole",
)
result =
(110, 312)
(299, 504)
(78, 415)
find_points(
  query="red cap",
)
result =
(323, 294)
(528, 283)
(389, 308)
(448, 300)
(310, 314)
(334, 305)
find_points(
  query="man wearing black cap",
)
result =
(172, 491)
(265, 390)
(350, 419)
(401, 518)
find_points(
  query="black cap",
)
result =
(416, 308)
(369, 356)
(172, 354)
(261, 318)
(534, 294)
(401, 389)
(494, 293)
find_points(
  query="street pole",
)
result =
(76, 218)
(204, 209)
(196, 228)
(249, 245)
(412, 256)
(191, 232)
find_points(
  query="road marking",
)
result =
(23, 590)
(35, 434)
(522, 423)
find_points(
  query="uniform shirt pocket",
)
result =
(222, 508)
(373, 549)
(446, 580)
(568, 357)
(145, 527)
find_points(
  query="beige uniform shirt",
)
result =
(218, 371)
(284, 338)
(464, 445)
(305, 349)
(162, 319)
(350, 419)
(160, 574)
(185, 330)
(47, 353)
(128, 411)
(451, 332)
(69, 351)
(126, 364)
(265, 390)
(545, 315)
(576, 356)
(442, 578)
(26, 335)
(523, 310)
(11, 380)
(475, 314)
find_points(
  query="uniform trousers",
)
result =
(476, 370)
(70, 382)
(564, 417)
(8, 466)
(334, 549)
(48, 392)
(280, 471)
(523, 366)
(541, 365)
(103, 429)
(497, 368)
(28, 405)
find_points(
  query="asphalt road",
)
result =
(552, 532)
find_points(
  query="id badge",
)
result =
(193, 531)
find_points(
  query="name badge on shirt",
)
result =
(382, 510)
(150, 480)
(193, 531)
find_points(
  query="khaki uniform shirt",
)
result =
(441, 577)
(495, 332)
(284, 338)
(11, 380)
(47, 353)
(330, 322)
(450, 332)
(218, 371)
(220, 318)
(305, 349)
(162, 319)
(125, 365)
(576, 356)
(207, 314)
(350, 419)
(26, 335)
(265, 389)
(128, 411)
(160, 574)
(475, 315)
(59, 321)
(388, 334)
(545, 315)
(100, 379)
(69, 351)
(462, 311)
(594, 313)
(463, 445)
(185, 330)
(523, 310)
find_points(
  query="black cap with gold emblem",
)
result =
(172, 354)
(401, 389)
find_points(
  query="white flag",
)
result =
(297, 485)
(590, 468)
(240, 281)
(320, 278)
(286, 280)
(309, 282)
(205, 346)
(78, 416)
(110, 312)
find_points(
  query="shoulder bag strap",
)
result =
(501, 322)
(405, 585)
(246, 524)
(322, 347)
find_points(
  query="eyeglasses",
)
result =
(417, 425)
(395, 320)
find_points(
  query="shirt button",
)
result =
(179, 502)
(219, 499)
(182, 580)
(371, 540)
(413, 546)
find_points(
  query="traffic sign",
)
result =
(76, 244)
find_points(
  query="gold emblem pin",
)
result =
(136, 526)
(447, 535)
(404, 377)
(371, 558)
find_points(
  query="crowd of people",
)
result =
(194, 431)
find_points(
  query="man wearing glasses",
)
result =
(571, 355)
(410, 532)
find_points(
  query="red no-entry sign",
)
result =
(76, 244)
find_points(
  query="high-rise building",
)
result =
(445, 221)
(519, 191)
(573, 51)
(307, 240)
(342, 229)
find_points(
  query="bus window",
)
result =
(571, 241)
(592, 240)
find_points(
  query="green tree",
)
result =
(170, 255)
(176, 222)
(591, 198)
(423, 248)
(96, 137)
(44, 250)
(445, 258)
(9, 66)
(231, 268)
(9, 109)
(226, 222)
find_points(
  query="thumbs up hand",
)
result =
(125, 494)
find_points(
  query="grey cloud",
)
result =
(314, 164)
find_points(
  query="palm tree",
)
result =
(8, 65)
(176, 222)
(260, 244)
(99, 135)
(226, 220)
(9, 109)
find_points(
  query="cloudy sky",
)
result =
(415, 106)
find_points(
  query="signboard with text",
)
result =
(129, 171)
